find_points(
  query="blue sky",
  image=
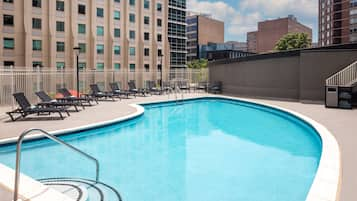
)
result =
(241, 16)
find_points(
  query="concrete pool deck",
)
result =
(341, 123)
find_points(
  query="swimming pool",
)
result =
(205, 149)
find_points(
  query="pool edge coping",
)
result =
(326, 184)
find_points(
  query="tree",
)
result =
(198, 64)
(293, 41)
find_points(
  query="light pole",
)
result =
(161, 55)
(77, 52)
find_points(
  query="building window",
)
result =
(117, 15)
(146, 52)
(60, 26)
(146, 4)
(82, 47)
(117, 50)
(100, 66)
(9, 63)
(82, 65)
(132, 35)
(9, 43)
(159, 52)
(132, 2)
(159, 22)
(117, 33)
(132, 18)
(146, 36)
(100, 31)
(100, 49)
(82, 9)
(60, 6)
(117, 66)
(36, 45)
(132, 51)
(81, 28)
(36, 23)
(146, 20)
(132, 67)
(9, 1)
(117, 1)
(159, 7)
(100, 12)
(36, 3)
(60, 46)
(147, 67)
(8, 20)
(159, 37)
(36, 64)
(60, 65)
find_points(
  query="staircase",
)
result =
(341, 88)
(83, 189)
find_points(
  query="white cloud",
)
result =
(243, 17)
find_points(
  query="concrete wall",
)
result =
(296, 75)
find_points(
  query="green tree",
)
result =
(198, 64)
(293, 41)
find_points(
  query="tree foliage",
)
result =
(198, 63)
(293, 41)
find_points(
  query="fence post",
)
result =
(12, 86)
(38, 78)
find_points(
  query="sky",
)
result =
(241, 16)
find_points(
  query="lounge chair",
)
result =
(202, 86)
(183, 86)
(168, 87)
(117, 91)
(50, 102)
(216, 87)
(26, 108)
(133, 89)
(69, 97)
(97, 93)
(153, 89)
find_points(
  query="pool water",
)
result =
(202, 150)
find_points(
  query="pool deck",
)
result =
(341, 123)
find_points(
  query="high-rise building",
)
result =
(252, 41)
(337, 22)
(126, 35)
(271, 31)
(202, 30)
(177, 33)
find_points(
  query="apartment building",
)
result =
(269, 33)
(123, 35)
(177, 33)
(202, 30)
(337, 22)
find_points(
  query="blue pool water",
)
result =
(203, 150)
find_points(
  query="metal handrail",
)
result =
(344, 77)
(54, 138)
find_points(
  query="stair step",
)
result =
(83, 189)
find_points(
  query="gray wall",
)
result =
(297, 75)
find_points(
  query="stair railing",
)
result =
(345, 77)
(53, 138)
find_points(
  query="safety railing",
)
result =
(54, 138)
(31, 80)
(345, 77)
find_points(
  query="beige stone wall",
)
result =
(22, 32)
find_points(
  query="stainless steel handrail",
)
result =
(54, 138)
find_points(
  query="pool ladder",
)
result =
(178, 90)
(53, 138)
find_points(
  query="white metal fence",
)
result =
(30, 81)
(345, 77)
